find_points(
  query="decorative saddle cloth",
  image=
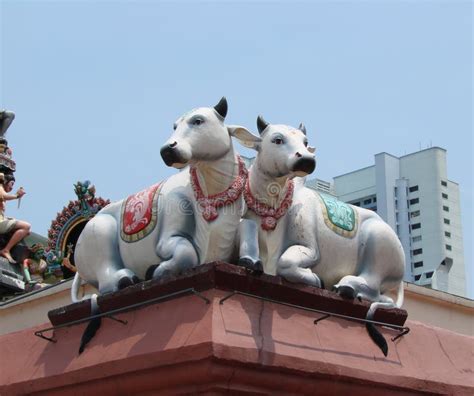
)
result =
(139, 214)
(338, 216)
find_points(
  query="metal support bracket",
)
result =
(403, 330)
(110, 314)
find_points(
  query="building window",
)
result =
(418, 264)
(446, 221)
(416, 213)
(448, 247)
(416, 238)
(367, 201)
(373, 208)
(416, 252)
(417, 277)
(414, 201)
(446, 208)
(413, 189)
(445, 196)
(375, 199)
(415, 226)
(444, 184)
(429, 274)
(447, 234)
(356, 203)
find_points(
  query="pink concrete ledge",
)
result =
(245, 346)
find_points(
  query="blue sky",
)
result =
(96, 86)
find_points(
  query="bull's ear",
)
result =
(244, 136)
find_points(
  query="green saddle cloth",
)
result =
(338, 215)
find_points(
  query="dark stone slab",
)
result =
(13, 270)
(11, 275)
(229, 277)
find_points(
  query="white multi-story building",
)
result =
(320, 185)
(414, 196)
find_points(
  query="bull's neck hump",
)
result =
(267, 189)
(216, 176)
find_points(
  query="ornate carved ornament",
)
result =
(75, 213)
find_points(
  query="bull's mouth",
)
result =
(173, 157)
(304, 166)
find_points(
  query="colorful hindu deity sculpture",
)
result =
(85, 192)
(34, 268)
(7, 165)
(59, 262)
(18, 228)
(15, 229)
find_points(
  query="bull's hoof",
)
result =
(127, 281)
(319, 282)
(254, 266)
(346, 291)
(150, 271)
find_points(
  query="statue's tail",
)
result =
(76, 284)
(374, 333)
(95, 323)
(400, 295)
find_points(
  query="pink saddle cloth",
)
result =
(139, 214)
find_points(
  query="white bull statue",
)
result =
(189, 219)
(312, 238)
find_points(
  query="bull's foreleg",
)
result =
(249, 256)
(177, 254)
(295, 265)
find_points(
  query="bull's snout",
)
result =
(304, 164)
(170, 154)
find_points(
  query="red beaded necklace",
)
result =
(210, 203)
(268, 214)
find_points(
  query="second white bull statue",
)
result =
(312, 238)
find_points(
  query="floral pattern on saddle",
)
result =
(139, 214)
(338, 216)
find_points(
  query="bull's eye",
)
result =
(198, 121)
(306, 143)
(278, 141)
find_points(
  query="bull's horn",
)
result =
(261, 124)
(221, 107)
(302, 128)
